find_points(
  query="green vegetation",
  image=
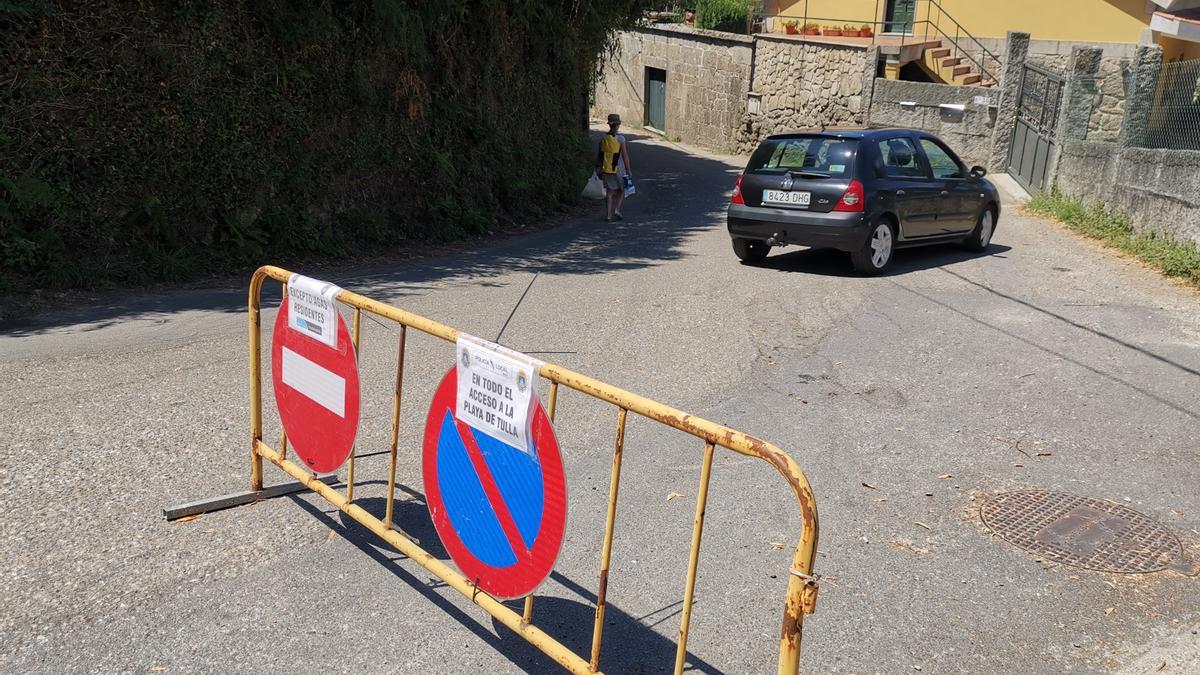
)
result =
(1174, 259)
(167, 139)
(730, 16)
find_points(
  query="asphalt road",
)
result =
(1046, 363)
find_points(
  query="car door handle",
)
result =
(945, 193)
(900, 193)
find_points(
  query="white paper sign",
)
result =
(311, 309)
(495, 390)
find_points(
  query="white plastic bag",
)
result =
(594, 188)
(629, 189)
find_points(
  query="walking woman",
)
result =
(612, 165)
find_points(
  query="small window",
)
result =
(943, 165)
(817, 154)
(900, 159)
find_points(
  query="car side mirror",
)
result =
(978, 171)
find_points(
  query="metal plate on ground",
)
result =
(1094, 534)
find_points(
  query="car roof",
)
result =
(857, 133)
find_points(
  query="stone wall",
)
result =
(708, 76)
(806, 85)
(1108, 104)
(1158, 190)
(1109, 107)
(968, 133)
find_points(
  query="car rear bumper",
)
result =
(843, 231)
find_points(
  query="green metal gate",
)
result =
(1034, 131)
(656, 98)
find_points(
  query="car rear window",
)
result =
(817, 154)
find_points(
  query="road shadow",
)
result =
(631, 644)
(833, 263)
(678, 195)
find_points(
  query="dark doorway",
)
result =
(899, 16)
(656, 99)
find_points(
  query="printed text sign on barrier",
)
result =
(311, 310)
(499, 511)
(316, 390)
(494, 390)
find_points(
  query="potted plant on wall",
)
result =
(811, 29)
(831, 31)
(849, 31)
(865, 31)
(791, 27)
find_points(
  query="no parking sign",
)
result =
(499, 506)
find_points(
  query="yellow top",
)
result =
(610, 151)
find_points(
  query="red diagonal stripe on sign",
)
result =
(493, 493)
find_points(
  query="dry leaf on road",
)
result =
(869, 486)
(945, 476)
(777, 545)
(187, 519)
(1110, 610)
(917, 522)
(673, 495)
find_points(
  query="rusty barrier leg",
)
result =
(685, 619)
(802, 582)
(350, 463)
(391, 495)
(606, 549)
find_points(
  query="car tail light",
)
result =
(852, 199)
(737, 192)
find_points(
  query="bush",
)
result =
(729, 16)
(169, 138)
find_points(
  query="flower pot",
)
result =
(812, 31)
(866, 32)
(791, 30)
(831, 33)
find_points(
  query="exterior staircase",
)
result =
(938, 63)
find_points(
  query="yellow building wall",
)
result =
(1074, 20)
(833, 11)
(1178, 50)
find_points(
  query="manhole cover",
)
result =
(1094, 534)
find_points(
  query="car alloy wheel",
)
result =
(985, 228)
(981, 236)
(881, 246)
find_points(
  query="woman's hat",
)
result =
(614, 119)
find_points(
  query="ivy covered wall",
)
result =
(163, 139)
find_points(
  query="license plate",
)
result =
(786, 197)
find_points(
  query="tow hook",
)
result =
(773, 240)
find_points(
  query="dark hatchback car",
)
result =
(864, 191)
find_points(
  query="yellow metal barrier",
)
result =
(802, 584)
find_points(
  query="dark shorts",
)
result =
(611, 181)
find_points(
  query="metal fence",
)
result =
(801, 581)
(1175, 115)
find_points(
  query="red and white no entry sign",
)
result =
(316, 390)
